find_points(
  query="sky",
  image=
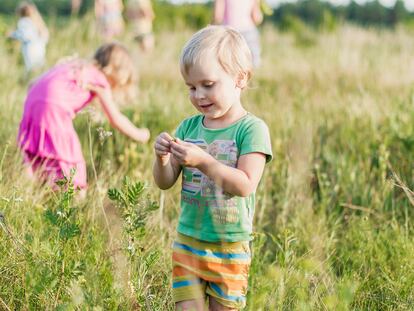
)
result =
(409, 4)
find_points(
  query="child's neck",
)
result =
(234, 114)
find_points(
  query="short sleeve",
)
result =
(93, 76)
(256, 138)
(181, 130)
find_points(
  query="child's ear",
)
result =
(242, 79)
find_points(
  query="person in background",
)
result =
(109, 18)
(244, 16)
(75, 6)
(33, 34)
(221, 153)
(47, 138)
(141, 15)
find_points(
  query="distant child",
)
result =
(75, 6)
(140, 14)
(109, 18)
(221, 154)
(47, 137)
(33, 34)
(244, 16)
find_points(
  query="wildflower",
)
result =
(103, 134)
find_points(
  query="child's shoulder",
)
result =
(192, 121)
(252, 120)
(188, 124)
(25, 22)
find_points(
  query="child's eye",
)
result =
(208, 84)
(191, 88)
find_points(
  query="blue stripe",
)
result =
(219, 291)
(212, 254)
(185, 283)
(194, 141)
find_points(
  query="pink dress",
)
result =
(46, 134)
(238, 15)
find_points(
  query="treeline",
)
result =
(319, 14)
(324, 14)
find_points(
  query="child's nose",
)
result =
(199, 94)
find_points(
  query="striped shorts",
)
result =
(219, 270)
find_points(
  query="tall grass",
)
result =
(334, 209)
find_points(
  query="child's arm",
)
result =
(218, 14)
(257, 15)
(98, 8)
(240, 181)
(166, 169)
(116, 118)
(149, 12)
(23, 31)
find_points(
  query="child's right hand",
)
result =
(162, 146)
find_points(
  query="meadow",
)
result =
(333, 221)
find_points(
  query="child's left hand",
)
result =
(188, 154)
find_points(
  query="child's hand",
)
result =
(162, 145)
(144, 135)
(188, 154)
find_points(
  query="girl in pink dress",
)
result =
(47, 137)
(243, 16)
(109, 17)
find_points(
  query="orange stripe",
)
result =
(234, 285)
(180, 271)
(210, 266)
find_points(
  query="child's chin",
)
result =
(213, 116)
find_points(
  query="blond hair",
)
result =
(27, 9)
(114, 60)
(232, 51)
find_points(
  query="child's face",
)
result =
(213, 91)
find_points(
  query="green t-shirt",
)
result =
(207, 212)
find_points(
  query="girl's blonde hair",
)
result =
(114, 60)
(27, 9)
(232, 51)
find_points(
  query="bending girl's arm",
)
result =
(218, 14)
(165, 169)
(116, 118)
(240, 181)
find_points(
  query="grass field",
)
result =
(333, 222)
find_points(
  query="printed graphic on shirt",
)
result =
(222, 205)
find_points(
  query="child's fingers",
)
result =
(178, 154)
(177, 147)
(162, 146)
(180, 142)
(164, 142)
(161, 153)
(167, 137)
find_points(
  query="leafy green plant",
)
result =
(135, 207)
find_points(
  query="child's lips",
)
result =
(205, 106)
